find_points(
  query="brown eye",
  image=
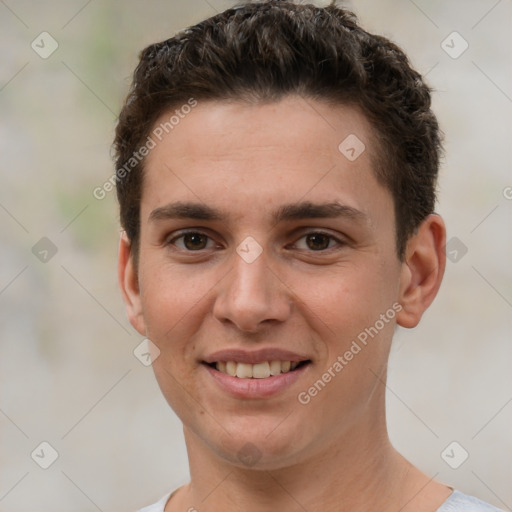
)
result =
(318, 241)
(192, 241)
(195, 241)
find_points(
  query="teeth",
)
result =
(261, 370)
(230, 368)
(244, 371)
(256, 371)
(275, 367)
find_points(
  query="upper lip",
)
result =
(254, 356)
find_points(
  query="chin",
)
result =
(262, 448)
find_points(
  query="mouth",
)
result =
(257, 374)
(260, 370)
(259, 379)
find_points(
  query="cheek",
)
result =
(173, 300)
(347, 309)
(348, 299)
(353, 316)
(174, 305)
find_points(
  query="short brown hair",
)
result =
(266, 50)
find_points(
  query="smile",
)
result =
(259, 380)
(262, 370)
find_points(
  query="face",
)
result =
(267, 263)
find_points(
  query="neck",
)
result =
(359, 471)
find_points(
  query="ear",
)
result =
(422, 270)
(129, 284)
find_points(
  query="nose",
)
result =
(252, 296)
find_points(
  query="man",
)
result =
(276, 172)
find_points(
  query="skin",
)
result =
(247, 160)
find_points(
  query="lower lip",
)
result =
(256, 388)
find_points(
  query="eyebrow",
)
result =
(288, 212)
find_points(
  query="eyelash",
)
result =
(339, 242)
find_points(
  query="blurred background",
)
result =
(69, 377)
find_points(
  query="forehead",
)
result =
(315, 125)
(242, 154)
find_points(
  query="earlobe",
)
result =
(422, 270)
(129, 284)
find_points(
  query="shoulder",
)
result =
(460, 502)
